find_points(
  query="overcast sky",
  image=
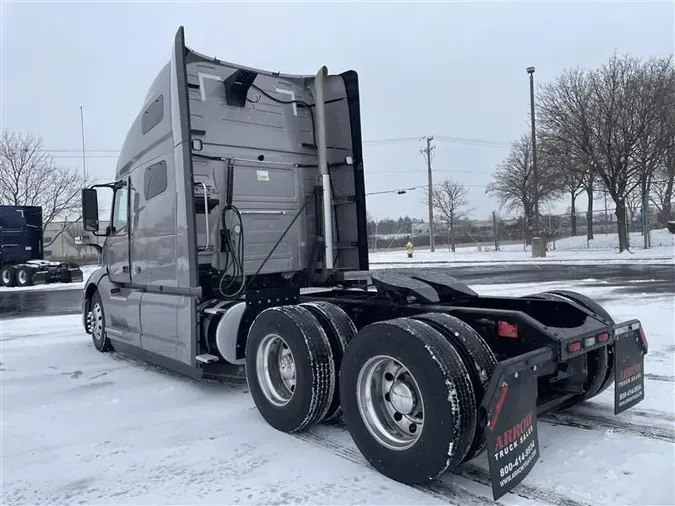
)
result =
(444, 69)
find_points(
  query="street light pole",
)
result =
(535, 176)
(84, 166)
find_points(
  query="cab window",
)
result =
(120, 211)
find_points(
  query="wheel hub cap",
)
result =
(402, 398)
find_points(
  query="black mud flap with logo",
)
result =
(509, 409)
(629, 352)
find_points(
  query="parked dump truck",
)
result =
(22, 260)
(237, 245)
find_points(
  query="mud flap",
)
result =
(509, 410)
(629, 352)
(76, 274)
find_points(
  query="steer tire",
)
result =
(478, 358)
(447, 408)
(98, 333)
(340, 329)
(286, 407)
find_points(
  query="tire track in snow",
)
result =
(442, 488)
(589, 421)
(532, 493)
(660, 377)
(439, 490)
(591, 407)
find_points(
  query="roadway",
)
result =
(626, 278)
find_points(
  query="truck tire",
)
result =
(593, 306)
(600, 362)
(290, 368)
(7, 275)
(340, 330)
(24, 275)
(407, 400)
(98, 334)
(478, 358)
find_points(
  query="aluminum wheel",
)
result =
(6, 277)
(275, 367)
(390, 403)
(97, 322)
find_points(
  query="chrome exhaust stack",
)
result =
(323, 165)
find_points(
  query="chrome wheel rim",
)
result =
(5, 277)
(390, 403)
(97, 323)
(22, 277)
(275, 369)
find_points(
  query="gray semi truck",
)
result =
(237, 245)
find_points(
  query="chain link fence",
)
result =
(563, 231)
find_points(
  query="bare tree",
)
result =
(449, 199)
(560, 158)
(29, 177)
(513, 183)
(606, 116)
(663, 185)
(589, 181)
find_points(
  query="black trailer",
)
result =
(22, 260)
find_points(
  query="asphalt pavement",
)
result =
(652, 278)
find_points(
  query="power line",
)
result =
(417, 171)
(374, 142)
(438, 185)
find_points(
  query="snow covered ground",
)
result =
(570, 250)
(86, 272)
(81, 427)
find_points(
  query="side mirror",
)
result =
(90, 209)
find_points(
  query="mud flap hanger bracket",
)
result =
(528, 363)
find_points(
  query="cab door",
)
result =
(119, 268)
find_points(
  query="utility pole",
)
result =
(427, 154)
(535, 176)
(84, 167)
(494, 230)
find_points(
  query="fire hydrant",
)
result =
(410, 248)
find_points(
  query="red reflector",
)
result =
(505, 329)
(574, 346)
(643, 338)
(602, 337)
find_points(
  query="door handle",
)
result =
(125, 268)
(137, 269)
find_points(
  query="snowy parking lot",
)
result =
(81, 427)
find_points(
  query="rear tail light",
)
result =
(505, 329)
(643, 338)
(574, 346)
(602, 337)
